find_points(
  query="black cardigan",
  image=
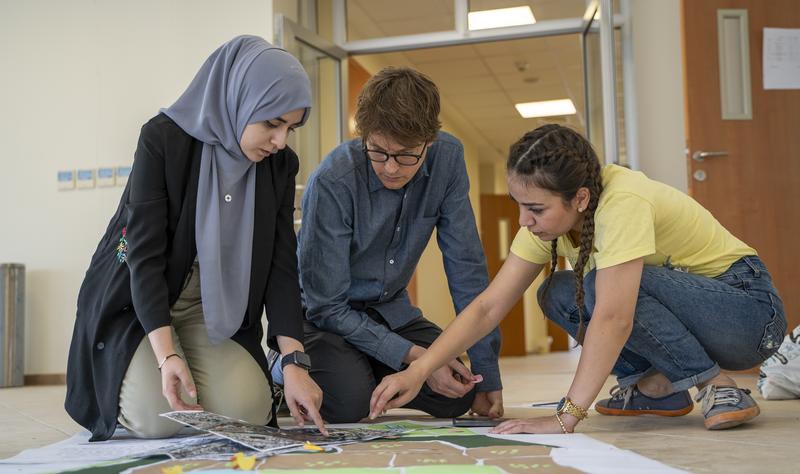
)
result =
(126, 295)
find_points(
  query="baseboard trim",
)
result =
(46, 379)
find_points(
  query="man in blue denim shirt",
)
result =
(369, 211)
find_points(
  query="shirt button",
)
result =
(391, 262)
(398, 229)
(385, 293)
(100, 346)
(228, 198)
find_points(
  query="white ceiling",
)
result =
(482, 82)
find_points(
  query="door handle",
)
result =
(700, 155)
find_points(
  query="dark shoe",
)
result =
(630, 401)
(726, 407)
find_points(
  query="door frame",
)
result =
(460, 35)
(595, 20)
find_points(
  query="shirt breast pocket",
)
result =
(431, 208)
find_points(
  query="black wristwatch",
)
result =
(298, 358)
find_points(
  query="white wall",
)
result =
(79, 78)
(658, 70)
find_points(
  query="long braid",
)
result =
(587, 240)
(560, 160)
(553, 267)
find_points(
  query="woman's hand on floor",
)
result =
(174, 375)
(303, 397)
(538, 425)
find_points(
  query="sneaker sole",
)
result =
(617, 412)
(724, 421)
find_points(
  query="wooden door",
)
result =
(499, 224)
(754, 190)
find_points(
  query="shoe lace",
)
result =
(278, 395)
(624, 394)
(713, 396)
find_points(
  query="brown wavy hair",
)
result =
(561, 160)
(401, 103)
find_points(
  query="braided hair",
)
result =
(560, 160)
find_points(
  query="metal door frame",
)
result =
(461, 35)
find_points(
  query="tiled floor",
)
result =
(34, 416)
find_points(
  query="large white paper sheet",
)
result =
(781, 58)
(575, 450)
(77, 451)
(588, 454)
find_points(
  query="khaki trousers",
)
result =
(228, 380)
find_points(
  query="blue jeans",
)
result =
(685, 326)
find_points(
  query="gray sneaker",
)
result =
(726, 407)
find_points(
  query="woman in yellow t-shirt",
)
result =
(662, 295)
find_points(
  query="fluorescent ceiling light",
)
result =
(547, 108)
(498, 18)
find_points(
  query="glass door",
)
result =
(326, 67)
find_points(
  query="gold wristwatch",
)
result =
(566, 406)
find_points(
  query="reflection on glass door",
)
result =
(325, 65)
(321, 133)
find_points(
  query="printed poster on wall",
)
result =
(781, 58)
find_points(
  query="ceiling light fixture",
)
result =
(546, 108)
(500, 17)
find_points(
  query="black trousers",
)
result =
(347, 376)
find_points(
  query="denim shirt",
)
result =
(360, 242)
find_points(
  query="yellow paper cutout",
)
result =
(309, 446)
(245, 463)
(172, 470)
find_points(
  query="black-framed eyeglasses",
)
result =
(402, 159)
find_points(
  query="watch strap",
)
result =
(298, 358)
(571, 408)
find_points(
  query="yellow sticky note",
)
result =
(245, 463)
(309, 446)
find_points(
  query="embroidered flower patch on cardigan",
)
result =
(122, 247)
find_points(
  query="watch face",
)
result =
(561, 404)
(303, 359)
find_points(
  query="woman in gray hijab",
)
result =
(202, 243)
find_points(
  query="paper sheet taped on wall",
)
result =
(781, 58)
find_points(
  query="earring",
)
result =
(580, 209)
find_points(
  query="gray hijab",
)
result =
(246, 80)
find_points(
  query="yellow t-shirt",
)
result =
(638, 217)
